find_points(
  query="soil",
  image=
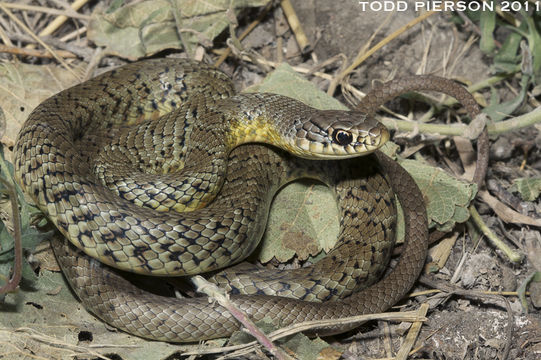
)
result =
(459, 327)
(464, 325)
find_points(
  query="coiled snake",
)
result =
(89, 155)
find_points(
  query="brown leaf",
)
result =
(22, 88)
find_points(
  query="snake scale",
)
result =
(128, 166)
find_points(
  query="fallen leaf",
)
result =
(144, 28)
(23, 87)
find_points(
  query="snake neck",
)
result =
(298, 128)
(262, 118)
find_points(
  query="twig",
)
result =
(22, 352)
(516, 123)
(56, 23)
(33, 52)
(337, 79)
(94, 61)
(83, 52)
(476, 218)
(386, 338)
(435, 291)
(215, 293)
(295, 26)
(4, 37)
(71, 14)
(73, 34)
(506, 213)
(35, 37)
(303, 70)
(409, 316)
(359, 60)
(245, 33)
(55, 343)
(412, 335)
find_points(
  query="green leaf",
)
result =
(487, 24)
(242, 337)
(115, 4)
(147, 27)
(286, 81)
(530, 32)
(498, 111)
(301, 222)
(447, 198)
(534, 42)
(528, 188)
(533, 277)
(507, 59)
(305, 348)
(24, 86)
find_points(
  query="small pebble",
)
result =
(501, 149)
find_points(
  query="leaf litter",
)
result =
(144, 28)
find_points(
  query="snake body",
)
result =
(71, 158)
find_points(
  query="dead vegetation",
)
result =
(480, 292)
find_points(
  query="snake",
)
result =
(160, 168)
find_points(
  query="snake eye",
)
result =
(342, 137)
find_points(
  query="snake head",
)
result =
(339, 134)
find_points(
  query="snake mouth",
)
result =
(376, 137)
(343, 143)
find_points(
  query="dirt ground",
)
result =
(460, 327)
(466, 324)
